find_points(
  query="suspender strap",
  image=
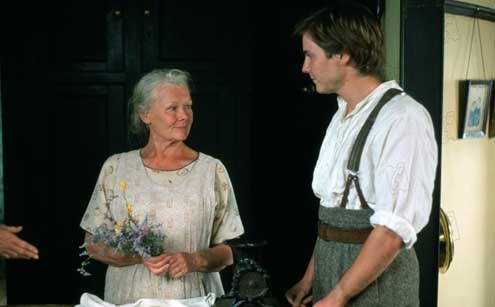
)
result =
(357, 150)
(350, 179)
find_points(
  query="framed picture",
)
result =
(491, 125)
(475, 97)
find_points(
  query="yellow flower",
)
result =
(129, 208)
(127, 222)
(118, 226)
(123, 185)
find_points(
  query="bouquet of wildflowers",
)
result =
(127, 237)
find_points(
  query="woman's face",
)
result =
(170, 115)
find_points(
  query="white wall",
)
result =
(468, 170)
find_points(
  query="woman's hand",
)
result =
(298, 295)
(109, 256)
(174, 265)
(180, 264)
(213, 259)
(156, 264)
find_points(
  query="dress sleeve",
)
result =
(97, 210)
(404, 179)
(227, 222)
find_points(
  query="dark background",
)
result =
(67, 72)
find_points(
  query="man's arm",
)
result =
(378, 252)
(298, 295)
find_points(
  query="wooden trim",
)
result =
(470, 10)
(422, 43)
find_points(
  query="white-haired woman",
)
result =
(188, 192)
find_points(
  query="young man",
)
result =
(375, 190)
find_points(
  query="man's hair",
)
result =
(351, 28)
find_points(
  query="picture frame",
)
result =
(474, 106)
(491, 124)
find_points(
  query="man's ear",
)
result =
(345, 59)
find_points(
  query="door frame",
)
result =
(422, 37)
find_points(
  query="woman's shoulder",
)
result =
(205, 158)
(118, 158)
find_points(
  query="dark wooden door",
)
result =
(68, 70)
(422, 55)
(64, 113)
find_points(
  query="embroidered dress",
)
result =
(195, 206)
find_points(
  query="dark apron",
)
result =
(398, 285)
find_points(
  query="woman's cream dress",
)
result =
(195, 206)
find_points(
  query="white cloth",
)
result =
(195, 207)
(398, 163)
(91, 300)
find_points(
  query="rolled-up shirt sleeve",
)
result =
(406, 157)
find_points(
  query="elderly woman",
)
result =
(187, 192)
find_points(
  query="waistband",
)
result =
(354, 236)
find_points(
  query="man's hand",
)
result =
(11, 246)
(336, 298)
(298, 295)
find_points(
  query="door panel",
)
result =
(52, 159)
(90, 38)
(68, 72)
(211, 40)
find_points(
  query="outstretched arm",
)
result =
(11, 246)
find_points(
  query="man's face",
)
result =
(328, 74)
